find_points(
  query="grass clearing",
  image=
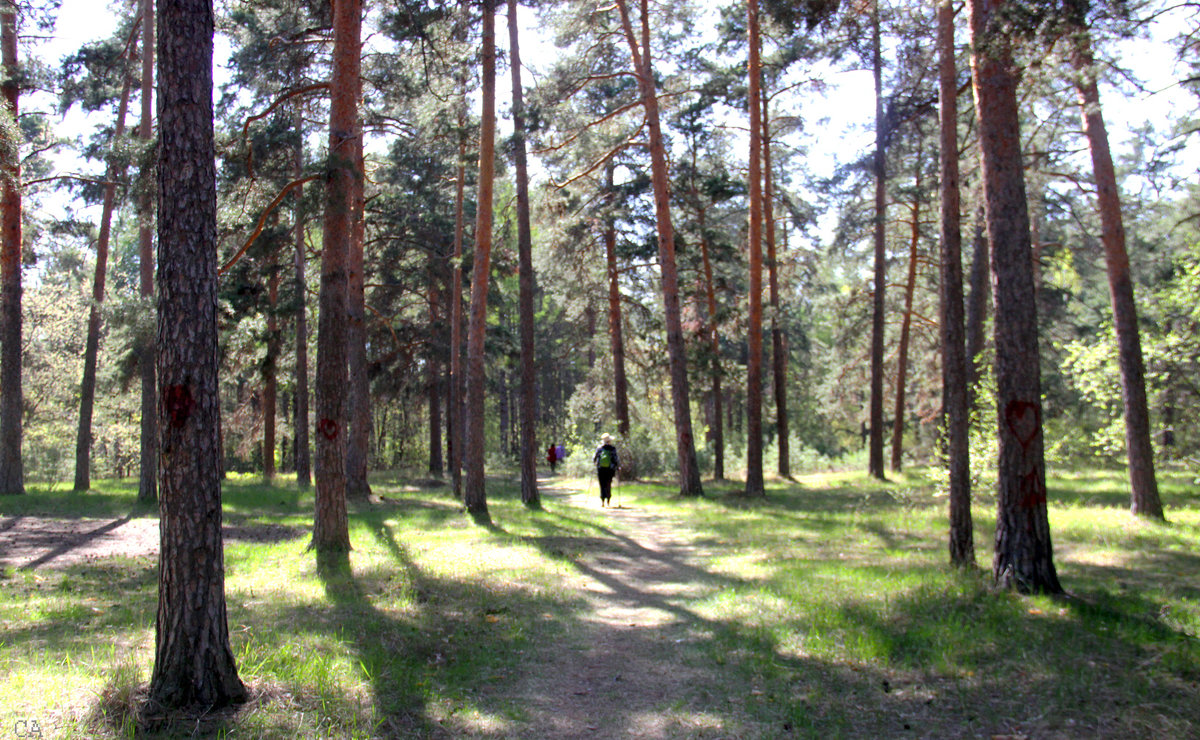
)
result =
(826, 610)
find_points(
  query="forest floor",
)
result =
(823, 610)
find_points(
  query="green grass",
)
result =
(826, 610)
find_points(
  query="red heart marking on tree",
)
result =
(1024, 419)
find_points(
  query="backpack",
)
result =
(605, 460)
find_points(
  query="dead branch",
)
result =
(262, 220)
(283, 98)
(77, 178)
(631, 141)
(590, 124)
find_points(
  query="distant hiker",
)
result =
(606, 467)
(552, 457)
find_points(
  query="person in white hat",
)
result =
(607, 464)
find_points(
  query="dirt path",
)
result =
(630, 667)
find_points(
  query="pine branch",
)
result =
(262, 221)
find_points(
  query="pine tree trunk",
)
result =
(87, 387)
(474, 493)
(454, 409)
(754, 441)
(270, 377)
(954, 361)
(616, 331)
(529, 453)
(193, 661)
(331, 536)
(977, 304)
(358, 443)
(12, 471)
(1144, 499)
(779, 355)
(875, 453)
(910, 287)
(148, 475)
(300, 420)
(689, 469)
(710, 291)
(434, 371)
(1023, 552)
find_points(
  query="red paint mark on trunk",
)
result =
(328, 428)
(179, 404)
(1024, 419)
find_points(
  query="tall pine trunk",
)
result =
(910, 287)
(955, 411)
(434, 369)
(300, 420)
(754, 441)
(1144, 499)
(1023, 552)
(779, 352)
(358, 443)
(454, 407)
(977, 304)
(529, 490)
(875, 452)
(12, 471)
(87, 387)
(689, 469)
(331, 536)
(474, 493)
(616, 333)
(270, 376)
(193, 661)
(148, 475)
(714, 338)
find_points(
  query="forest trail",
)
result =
(629, 666)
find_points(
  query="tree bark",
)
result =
(331, 536)
(875, 453)
(616, 333)
(977, 304)
(955, 410)
(12, 471)
(710, 292)
(300, 422)
(1023, 552)
(779, 352)
(434, 370)
(193, 662)
(148, 475)
(910, 287)
(1144, 499)
(454, 408)
(270, 376)
(754, 443)
(474, 493)
(529, 452)
(689, 469)
(358, 443)
(87, 387)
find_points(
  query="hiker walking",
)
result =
(552, 457)
(606, 467)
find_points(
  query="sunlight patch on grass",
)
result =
(475, 721)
